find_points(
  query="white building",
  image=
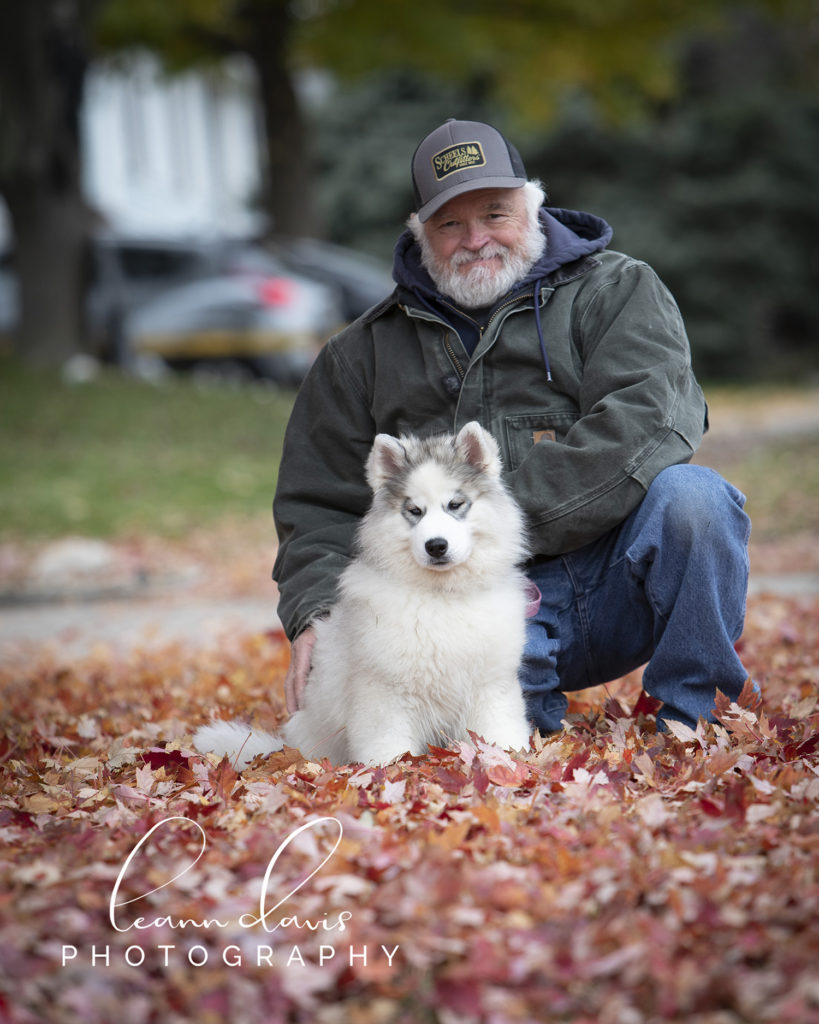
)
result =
(171, 154)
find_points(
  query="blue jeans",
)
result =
(667, 587)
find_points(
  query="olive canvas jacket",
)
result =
(579, 449)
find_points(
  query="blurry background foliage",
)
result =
(691, 125)
(710, 175)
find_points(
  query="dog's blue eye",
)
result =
(413, 511)
(455, 504)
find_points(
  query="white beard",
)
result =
(483, 285)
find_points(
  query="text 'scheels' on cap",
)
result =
(461, 156)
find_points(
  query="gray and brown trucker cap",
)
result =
(461, 156)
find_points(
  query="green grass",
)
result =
(781, 481)
(765, 452)
(116, 456)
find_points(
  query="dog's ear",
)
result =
(478, 449)
(387, 457)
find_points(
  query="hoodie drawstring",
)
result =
(538, 284)
(539, 327)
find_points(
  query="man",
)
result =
(576, 359)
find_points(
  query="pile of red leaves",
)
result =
(613, 875)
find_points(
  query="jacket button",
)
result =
(452, 385)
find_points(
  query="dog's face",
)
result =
(437, 513)
(430, 488)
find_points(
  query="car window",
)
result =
(147, 264)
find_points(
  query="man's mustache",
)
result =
(484, 253)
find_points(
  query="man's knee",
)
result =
(694, 499)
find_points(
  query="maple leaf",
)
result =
(578, 760)
(614, 710)
(159, 757)
(282, 759)
(504, 775)
(449, 779)
(223, 779)
(684, 733)
(646, 705)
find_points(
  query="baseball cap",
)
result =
(459, 157)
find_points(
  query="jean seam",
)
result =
(581, 606)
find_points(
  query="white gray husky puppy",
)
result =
(424, 641)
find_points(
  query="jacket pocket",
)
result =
(524, 430)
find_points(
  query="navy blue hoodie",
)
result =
(570, 235)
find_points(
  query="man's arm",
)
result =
(641, 410)
(322, 492)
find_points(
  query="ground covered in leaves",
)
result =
(612, 875)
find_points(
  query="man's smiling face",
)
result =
(479, 244)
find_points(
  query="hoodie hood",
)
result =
(570, 235)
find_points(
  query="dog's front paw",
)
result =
(383, 752)
(510, 735)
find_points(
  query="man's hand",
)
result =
(295, 681)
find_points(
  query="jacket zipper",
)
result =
(509, 302)
(498, 311)
(453, 357)
(456, 362)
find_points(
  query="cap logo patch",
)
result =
(457, 158)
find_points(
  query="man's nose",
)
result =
(475, 236)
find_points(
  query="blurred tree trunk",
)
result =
(266, 38)
(42, 66)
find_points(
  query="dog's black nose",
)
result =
(436, 547)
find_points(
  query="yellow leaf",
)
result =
(453, 837)
(39, 803)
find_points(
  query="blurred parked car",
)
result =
(361, 279)
(217, 302)
(268, 326)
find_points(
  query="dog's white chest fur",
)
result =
(394, 671)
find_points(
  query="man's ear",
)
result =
(479, 449)
(387, 458)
